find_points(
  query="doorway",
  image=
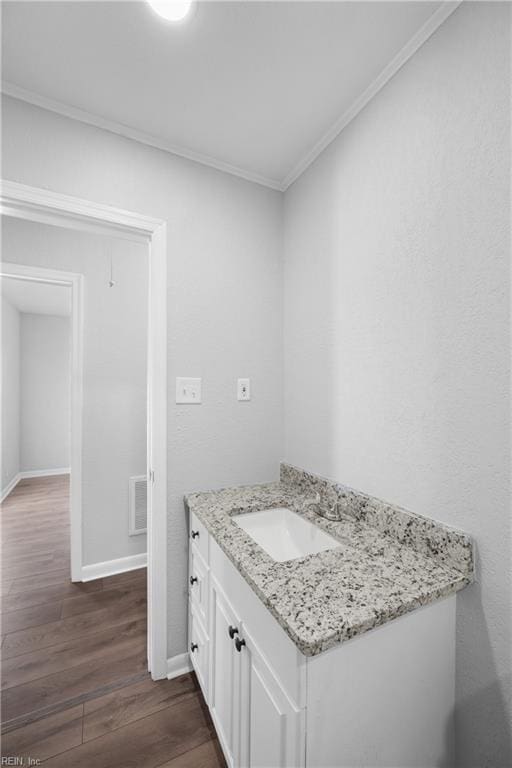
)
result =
(36, 205)
(25, 279)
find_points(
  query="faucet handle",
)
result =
(313, 502)
(326, 505)
(332, 505)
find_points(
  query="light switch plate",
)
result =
(188, 390)
(244, 389)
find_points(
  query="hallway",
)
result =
(75, 686)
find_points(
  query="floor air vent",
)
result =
(138, 505)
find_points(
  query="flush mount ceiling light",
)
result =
(171, 10)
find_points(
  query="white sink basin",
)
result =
(284, 535)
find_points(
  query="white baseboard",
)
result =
(10, 487)
(111, 567)
(178, 665)
(44, 472)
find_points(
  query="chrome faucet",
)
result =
(326, 506)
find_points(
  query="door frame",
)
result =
(47, 207)
(74, 281)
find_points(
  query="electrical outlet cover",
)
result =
(244, 389)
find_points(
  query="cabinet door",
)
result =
(272, 728)
(225, 674)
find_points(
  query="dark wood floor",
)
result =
(75, 687)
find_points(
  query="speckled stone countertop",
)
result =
(388, 562)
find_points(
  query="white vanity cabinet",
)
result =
(384, 698)
(258, 716)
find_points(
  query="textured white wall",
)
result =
(396, 320)
(10, 393)
(44, 391)
(114, 397)
(224, 300)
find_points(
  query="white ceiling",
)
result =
(256, 88)
(37, 298)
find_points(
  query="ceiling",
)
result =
(254, 88)
(37, 298)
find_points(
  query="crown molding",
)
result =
(409, 49)
(10, 89)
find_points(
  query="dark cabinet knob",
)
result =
(193, 580)
(193, 647)
(232, 631)
(239, 644)
(194, 534)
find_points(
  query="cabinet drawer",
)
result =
(199, 650)
(199, 538)
(199, 585)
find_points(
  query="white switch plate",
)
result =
(244, 389)
(188, 390)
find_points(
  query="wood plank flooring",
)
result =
(75, 686)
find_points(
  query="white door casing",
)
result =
(47, 207)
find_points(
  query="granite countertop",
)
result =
(388, 562)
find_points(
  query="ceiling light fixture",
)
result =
(171, 10)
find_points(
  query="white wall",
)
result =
(10, 393)
(224, 300)
(397, 345)
(45, 392)
(114, 379)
